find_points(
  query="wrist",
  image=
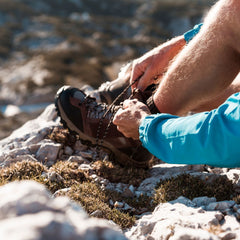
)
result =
(151, 105)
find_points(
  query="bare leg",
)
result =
(207, 65)
(212, 103)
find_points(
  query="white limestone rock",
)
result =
(29, 141)
(8, 160)
(48, 151)
(28, 212)
(32, 132)
(177, 221)
(184, 233)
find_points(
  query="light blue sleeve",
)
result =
(188, 36)
(211, 138)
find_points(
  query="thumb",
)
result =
(145, 80)
(135, 76)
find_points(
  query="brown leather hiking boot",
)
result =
(119, 89)
(93, 122)
(109, 91)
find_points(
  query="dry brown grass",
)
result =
(188, 186)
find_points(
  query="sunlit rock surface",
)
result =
(29, 211)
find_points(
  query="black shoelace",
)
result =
(113, 109)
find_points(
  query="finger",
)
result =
(121, 117)
(120, 130)
(146, 80)
(118, 117)
(135, 76)
(126, 134)
(128, 102)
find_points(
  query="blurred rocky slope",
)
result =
(45, 44)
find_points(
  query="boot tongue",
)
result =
(80, 96)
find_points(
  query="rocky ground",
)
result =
(69, 188)
(55, 186)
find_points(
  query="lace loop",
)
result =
(111, 109)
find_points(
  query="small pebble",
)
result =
(78, 159)
(63, 190)
(219, 216)
(236, 207)
(118, 204)
(85, 167)
(55, 177)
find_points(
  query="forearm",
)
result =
(150, 68)
(204, 68)
(169, 49)
(175, 45)
(206, 138)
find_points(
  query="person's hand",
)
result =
(129, 117)
(150, 68)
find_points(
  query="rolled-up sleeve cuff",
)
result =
(145, 126)
(204, 138)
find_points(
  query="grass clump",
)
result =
(24, 170)
(62, 135)
(69, 174)
(115, 173)
(29, 170)
(138, 203)
(69, 171)
(93, 198)
(191, 187)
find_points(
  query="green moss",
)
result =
(92, 198)
(188, 186)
